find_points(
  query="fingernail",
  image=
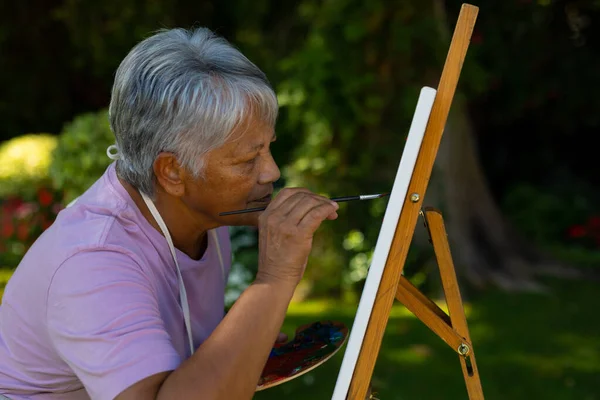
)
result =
(336, 205)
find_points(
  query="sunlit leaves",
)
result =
(80, 157)
(24, 163)
(348, 91)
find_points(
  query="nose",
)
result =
(269, 172)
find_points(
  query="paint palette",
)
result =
(312, 346)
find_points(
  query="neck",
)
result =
(187, 234)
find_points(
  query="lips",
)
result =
(264, 199)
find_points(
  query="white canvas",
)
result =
(384, 241)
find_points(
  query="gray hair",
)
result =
(182, 92)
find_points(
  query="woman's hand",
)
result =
(282, 339)
(286, 230)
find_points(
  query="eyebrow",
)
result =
(261, 145)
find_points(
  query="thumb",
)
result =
(281, 338)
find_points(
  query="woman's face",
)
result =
(237, 175)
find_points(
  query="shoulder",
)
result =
(82, 246)
(103, 318)
(95, 267)
(94, 288)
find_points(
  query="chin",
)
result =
(250, 219)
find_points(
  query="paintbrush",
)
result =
(336, 199)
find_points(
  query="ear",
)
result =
(169, 174)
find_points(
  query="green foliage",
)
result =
(5, 275)
(347, 74)
(348, 92)
(110, 29)
(544, 215)
(80, 157)
(27, 205)
(562, 218)
(60, 56)
(348, 88)
(24, 163)
(244, 263)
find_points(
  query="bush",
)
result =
(244, 246)
(22, 221)
(24, 163)
(80, 156)
(563, 219)
(28, 205)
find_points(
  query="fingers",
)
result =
(313, 218)
(298, 210)
(333, 215)
(284, 195)
(286, 231)
(281, 338)
(296, 202)
(291, 203)
(306, 206)
(273, 214)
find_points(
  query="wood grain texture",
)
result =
(439, 238)
(408, 218)
(429, 313)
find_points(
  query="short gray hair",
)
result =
(183, 92)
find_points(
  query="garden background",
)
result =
(516, 178)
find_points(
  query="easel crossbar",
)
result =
(452, 328)
(429, 313)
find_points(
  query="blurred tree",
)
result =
(34, 69)
(346, 90)
(352, 84)
(523, 61)
(348, 74)
(59, 57)
(486, 248)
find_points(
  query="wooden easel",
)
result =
(451, 328)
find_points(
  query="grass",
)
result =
(528, 346)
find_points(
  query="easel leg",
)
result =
(439, 238)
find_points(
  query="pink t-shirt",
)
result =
(94, 305)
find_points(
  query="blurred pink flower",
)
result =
(25, 210)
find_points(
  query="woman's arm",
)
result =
(229, 363)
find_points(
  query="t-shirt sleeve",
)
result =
(104, 321)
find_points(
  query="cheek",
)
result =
(234, 186)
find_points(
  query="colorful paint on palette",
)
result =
(312, 346)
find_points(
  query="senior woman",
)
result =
(122, 298)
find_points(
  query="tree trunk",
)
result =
(485, 248)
